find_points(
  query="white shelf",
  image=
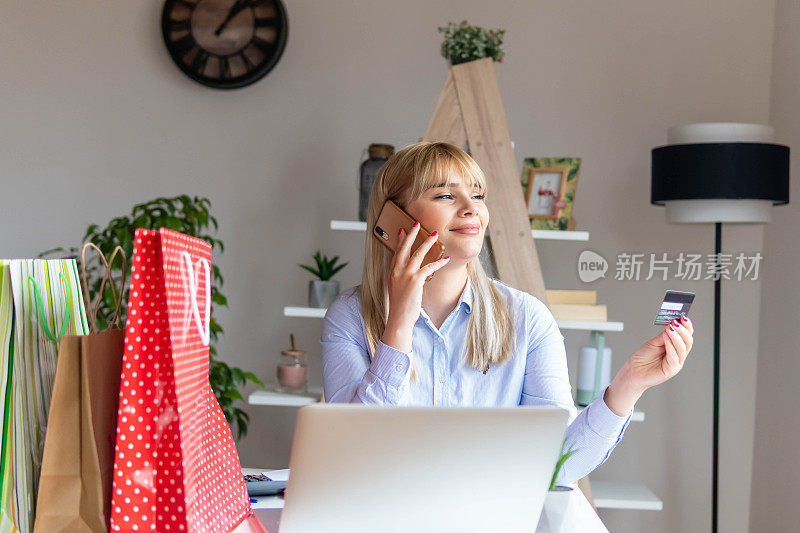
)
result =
(348, 225)
(624, 495)
(304, 312)
(319, 312)
(589, 326)
(559, 235)
(267, 397)
(638, 416)
(542, 234)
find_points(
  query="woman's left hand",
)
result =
(661, 357)
(656, 361)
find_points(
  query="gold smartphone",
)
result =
(387, 230)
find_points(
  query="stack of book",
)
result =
(575, 305)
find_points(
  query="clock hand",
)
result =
(237, 6)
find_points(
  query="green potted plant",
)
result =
(463, 43)
(557, 502)
(323, 291)
(190, 216)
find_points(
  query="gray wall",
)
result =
(776, 466)
(95, 117)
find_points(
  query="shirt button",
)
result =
(399, 368)
(441, 381)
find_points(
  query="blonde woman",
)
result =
(461, 339)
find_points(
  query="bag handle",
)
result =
(116, 294)
(203, 326)
(37, 294)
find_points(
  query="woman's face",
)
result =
(458, 212)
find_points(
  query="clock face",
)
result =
(225, 44)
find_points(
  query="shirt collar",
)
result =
(465, 301)
(466, 297)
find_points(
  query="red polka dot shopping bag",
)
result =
(176, 466)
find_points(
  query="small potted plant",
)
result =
(323, 291)
(557, 503)
(463, 43)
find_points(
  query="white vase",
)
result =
(555, 513)
(587, 364)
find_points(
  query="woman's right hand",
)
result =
(406, 280)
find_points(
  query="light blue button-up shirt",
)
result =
(536, 375)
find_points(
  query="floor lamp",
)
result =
(715, 173)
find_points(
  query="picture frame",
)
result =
(549, 185)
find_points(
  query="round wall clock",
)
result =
(225, 44)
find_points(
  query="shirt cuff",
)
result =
(390, 365)
(603, 421)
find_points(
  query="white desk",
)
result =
(268, 509)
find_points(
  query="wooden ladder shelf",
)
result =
(470, 114)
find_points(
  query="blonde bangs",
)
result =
(434, 166)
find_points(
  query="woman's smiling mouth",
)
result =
(467, 229)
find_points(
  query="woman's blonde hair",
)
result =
(404, 177)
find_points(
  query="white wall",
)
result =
(95, 117)
(776, 467)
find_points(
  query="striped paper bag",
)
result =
(40, 301)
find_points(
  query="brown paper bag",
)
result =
(78, 462)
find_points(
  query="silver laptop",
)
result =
(358, 468)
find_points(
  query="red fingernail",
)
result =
(434, 234)
(676, 323)
(671, 328)
(400, 232)
(416, 224)
(683, 317)
(447, 257)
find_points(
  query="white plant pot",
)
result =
(558, 506)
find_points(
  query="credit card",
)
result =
(675, 304)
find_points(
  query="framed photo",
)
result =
(549, 185)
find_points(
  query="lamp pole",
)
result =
(715, 445)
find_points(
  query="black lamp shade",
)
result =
(714, 171)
